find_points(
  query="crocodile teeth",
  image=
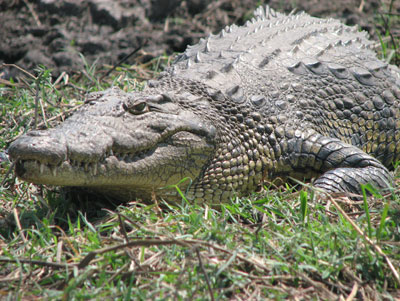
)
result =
(94, 169)
(86, 167)
(41, 168)
(54, 171)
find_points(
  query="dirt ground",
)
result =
(54, 32)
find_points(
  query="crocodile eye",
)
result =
(140, 107)
(137, 108)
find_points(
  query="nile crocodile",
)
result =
(284, 96)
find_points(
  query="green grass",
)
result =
(262, 246)
(277, 244)
(386, 23)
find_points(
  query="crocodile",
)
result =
(281, 97)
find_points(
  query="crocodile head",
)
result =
(126, 144)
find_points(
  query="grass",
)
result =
(386, 21)
(277, 244)
(256, 247)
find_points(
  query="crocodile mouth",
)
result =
(29, 168)
(22, 165)
(123, 168)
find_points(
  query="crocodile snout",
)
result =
(44, 146)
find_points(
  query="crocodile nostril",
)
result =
(41, 146)
(38, 133)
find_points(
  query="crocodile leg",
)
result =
(342, 167)
(350, 178)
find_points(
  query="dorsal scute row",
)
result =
(292, 35)
(272, 45)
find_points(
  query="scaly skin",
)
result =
(282, 96)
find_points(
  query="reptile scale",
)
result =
(282, 96)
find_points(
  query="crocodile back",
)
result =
(306, 72)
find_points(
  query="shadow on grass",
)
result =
(62, 207)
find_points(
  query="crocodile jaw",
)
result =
(105, 148)
(139, 174)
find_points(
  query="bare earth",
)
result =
(53, 32)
